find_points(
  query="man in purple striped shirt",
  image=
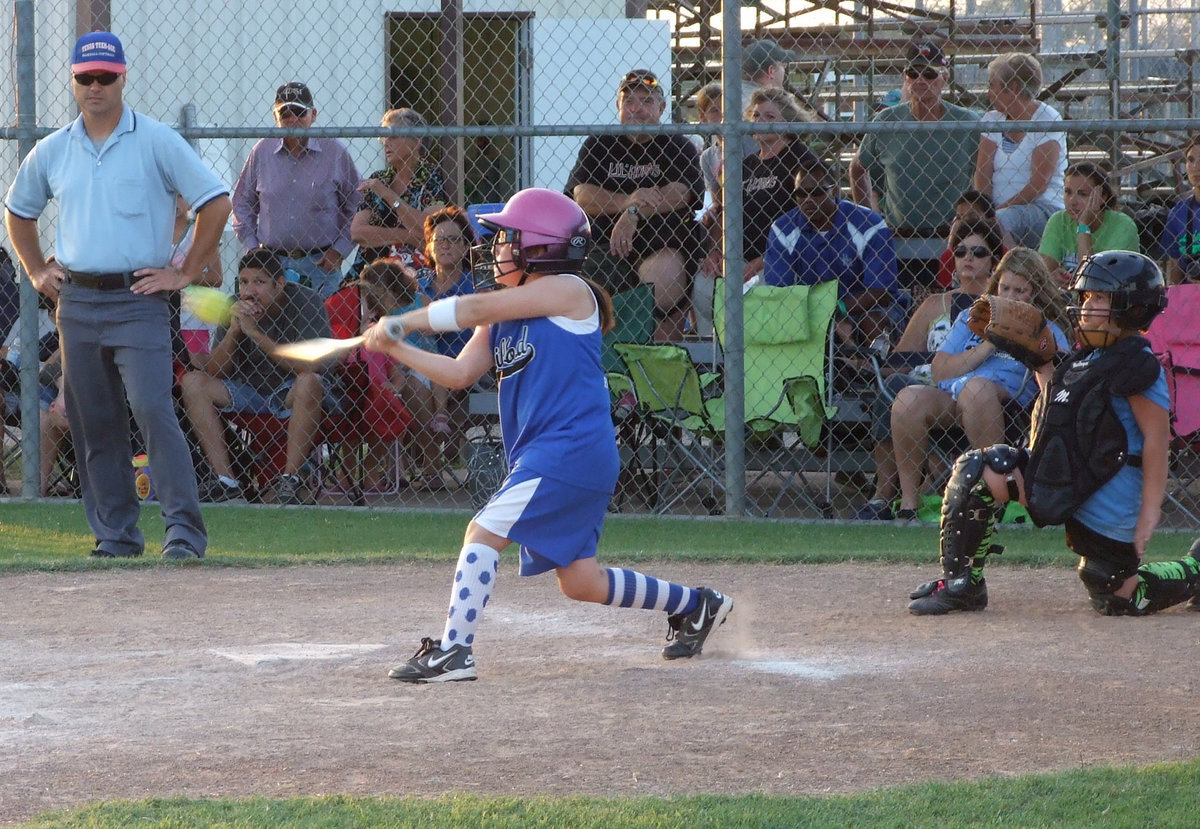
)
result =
(298, 195)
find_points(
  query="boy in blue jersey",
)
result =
(542, 335)
(1097, 463)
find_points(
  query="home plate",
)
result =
(292, 651)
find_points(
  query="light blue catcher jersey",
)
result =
(554, 404)
(1113, 509)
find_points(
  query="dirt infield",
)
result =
(209, 682)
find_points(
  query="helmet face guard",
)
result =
(1135, 287)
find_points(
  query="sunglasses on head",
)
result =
(291, 110)
(633, 79)
(927, 73)
(102, 78)
(978, 251)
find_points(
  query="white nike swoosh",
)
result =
(437, 662)
(699, 625)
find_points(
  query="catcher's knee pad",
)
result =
(969, 511)
(1100, 578)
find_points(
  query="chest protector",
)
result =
(1077, 442)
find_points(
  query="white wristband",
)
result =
(442, 314)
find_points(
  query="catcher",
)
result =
(1098, 457)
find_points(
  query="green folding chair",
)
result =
(786, 338)
(686, 413)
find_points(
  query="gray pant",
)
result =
(116, 345)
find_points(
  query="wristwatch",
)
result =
(396, 204)
(632, 210)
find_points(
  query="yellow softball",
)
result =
(210, 305)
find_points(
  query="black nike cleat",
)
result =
(432, 664)
(689, 631)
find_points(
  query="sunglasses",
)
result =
(633, 79)
(927, 74)
(978, 251)
(291, 110)
(102, 78)
(449, 240)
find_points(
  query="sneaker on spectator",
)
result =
(287, 489)
(876, 509)
(216, 491)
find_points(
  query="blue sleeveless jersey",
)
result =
(554, 403)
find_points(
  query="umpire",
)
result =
(114, 174)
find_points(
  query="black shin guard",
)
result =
(969, 511)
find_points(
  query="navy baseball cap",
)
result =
(294, 92)
(98, 52)
(926, 53)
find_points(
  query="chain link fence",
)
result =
(779, 401)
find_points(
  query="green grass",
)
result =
(39, 536)
(1164, 795)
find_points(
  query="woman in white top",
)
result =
(1021, 171)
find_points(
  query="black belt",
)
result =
(102, 281)
(300, 254)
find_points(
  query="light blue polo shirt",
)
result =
(116, 205)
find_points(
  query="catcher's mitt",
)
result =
(1014, 327)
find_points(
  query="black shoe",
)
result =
(431, 664)
(99, 552)
(181, 551)
(1193, 603)
(935, 598)
(216, 491)
(688, 632)
(287, 490)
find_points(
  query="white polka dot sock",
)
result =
(473, 582)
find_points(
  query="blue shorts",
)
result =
(248, 400)
(555, 523)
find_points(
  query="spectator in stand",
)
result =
(1181, 236)
(397, 199)
(243, 375)
(640, 193)
(973, 379)
(913, 179)
(709, 109)
(769, 175)
(825, 238)
(297, 196)
(390, 288)
(764, 66)
(1021, 171)
(976, 248)
(972, 206)
(448, 242)
(1091, 222)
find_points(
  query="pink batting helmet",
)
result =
(535, 217)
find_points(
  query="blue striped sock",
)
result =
(629, 588)
(473, 583)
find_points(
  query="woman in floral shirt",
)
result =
(396, 200)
